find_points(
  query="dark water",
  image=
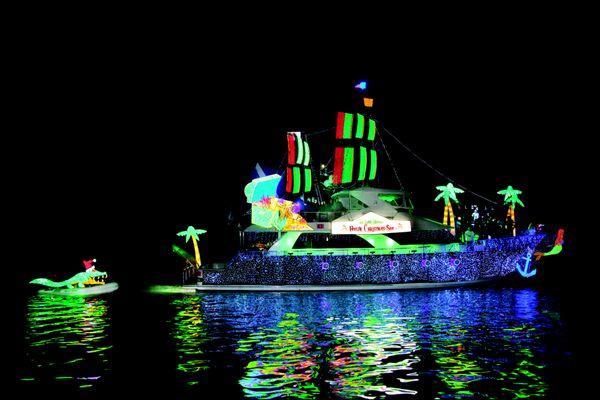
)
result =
(458, 343)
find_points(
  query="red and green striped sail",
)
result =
(355, 159)
(298, 176)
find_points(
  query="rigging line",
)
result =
(321, 131)
(391, 162)
(435, 169)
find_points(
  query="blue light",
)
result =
(492, 257)
(362, 85)
(526, 272)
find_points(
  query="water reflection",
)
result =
(189, 333)
(67, 341)
(429, 344)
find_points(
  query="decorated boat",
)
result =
(329, 224)
(90, 282)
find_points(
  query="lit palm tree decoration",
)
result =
(193, 233)
(511, 197)
(448, 193)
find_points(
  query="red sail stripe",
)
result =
(338, 165)
(291, 149)
(339, 130)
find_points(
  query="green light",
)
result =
(372, 130)
(306, 154)
(300, 155)
(296, 189)
(348, 165)
(448, 193)
(389, 198)
(78, 280)
(348, 125)
(307, 180)
(362, 170)
(373, 170)
(511, 196)
(360, 125)
(67, 337)
(190, 335)
(380, 241)
(193, 233)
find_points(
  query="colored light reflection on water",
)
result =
(457, 344)
(429, 344)
(67, 341)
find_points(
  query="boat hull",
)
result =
(337, 288)
(83, 292)
(490, 259)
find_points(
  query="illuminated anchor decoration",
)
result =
(526, 272)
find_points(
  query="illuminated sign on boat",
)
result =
(369, 223)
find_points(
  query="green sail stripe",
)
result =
(362, 169)
(373, 170)
(300, 147)
(307, 180)
(348, 165)
(306, 154)
(348, 126)
(296, 173)
(372, 130)
(360, 126)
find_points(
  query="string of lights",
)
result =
(436, 170)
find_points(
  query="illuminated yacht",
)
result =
(319, 226)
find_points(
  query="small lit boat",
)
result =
(83, 292)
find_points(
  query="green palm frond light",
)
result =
(511, 198)
(193, 233)
(448, 193)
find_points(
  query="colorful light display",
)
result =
(448, 194)
(354, 154)
(259, 188)
(68, 340)
(193, 233)
(80, 280)
(511, 197)
(190, 336)
(298, 177)
(466, 262)
(447, 344)
(556, 249)
(279, 214)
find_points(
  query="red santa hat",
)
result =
(88, 264)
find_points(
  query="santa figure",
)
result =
(89, 265)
